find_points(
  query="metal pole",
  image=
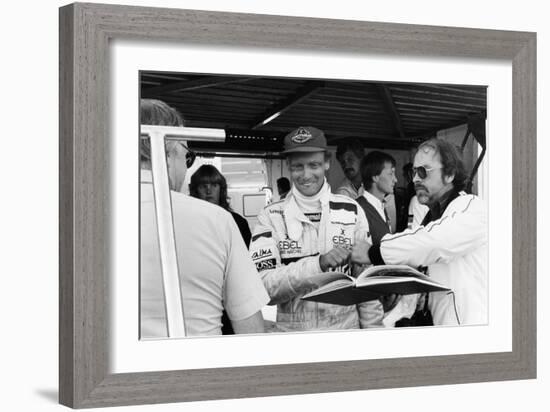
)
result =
(165, 223)
(167, 243)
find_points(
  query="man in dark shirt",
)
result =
(378, 174)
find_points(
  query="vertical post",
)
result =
(167, 242)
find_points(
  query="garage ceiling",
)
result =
(258, 111)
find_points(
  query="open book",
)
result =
(374, 282)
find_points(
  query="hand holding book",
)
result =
(360, 253)
(334, 258)
(373, 283)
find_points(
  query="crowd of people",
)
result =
(230, 273)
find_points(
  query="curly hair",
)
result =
(350, 145)
(451, 160)
(209, 174)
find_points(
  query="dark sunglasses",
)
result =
(422, 171)
(190, 156)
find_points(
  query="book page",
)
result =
(323, 278)
(391, 270)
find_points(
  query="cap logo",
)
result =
(302, 136)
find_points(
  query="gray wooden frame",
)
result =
(85, 31)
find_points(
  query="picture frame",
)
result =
(85, 33)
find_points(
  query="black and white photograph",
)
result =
(277, 204)
(255, 204)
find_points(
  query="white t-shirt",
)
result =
(216, 270)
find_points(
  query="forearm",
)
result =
(286, 282)
(456, 234)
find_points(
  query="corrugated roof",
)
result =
(388, 115)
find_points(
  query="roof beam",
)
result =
(200, 83)
(301, 94)
(380, 142)
(433, 131)
(389, 104)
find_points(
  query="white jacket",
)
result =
(285, 248)
(454, 248)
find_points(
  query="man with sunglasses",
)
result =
(215, 269)
(451, 242)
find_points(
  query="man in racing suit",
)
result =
(451, 241)
(309, 232)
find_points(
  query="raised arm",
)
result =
(285, 281)
(457, 233)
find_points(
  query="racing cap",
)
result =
(305, 139)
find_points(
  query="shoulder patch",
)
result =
(350, 207)
(260, 235)
(266, 264)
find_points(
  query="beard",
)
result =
(421, 194)
(350, 173)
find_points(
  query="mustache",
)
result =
(417, 187)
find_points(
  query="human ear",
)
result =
(448, 179)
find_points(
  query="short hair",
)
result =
(156, 113)
(372, 165)
(283, 184)
(353, 145)
(450, 156)
(209, 174)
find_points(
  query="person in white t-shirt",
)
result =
(215, 269)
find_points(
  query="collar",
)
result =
(294, 210)
(358, 191)
(314, 202)
(377, 203)
(438, 208)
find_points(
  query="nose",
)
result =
(307, 174)
(415, 177)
